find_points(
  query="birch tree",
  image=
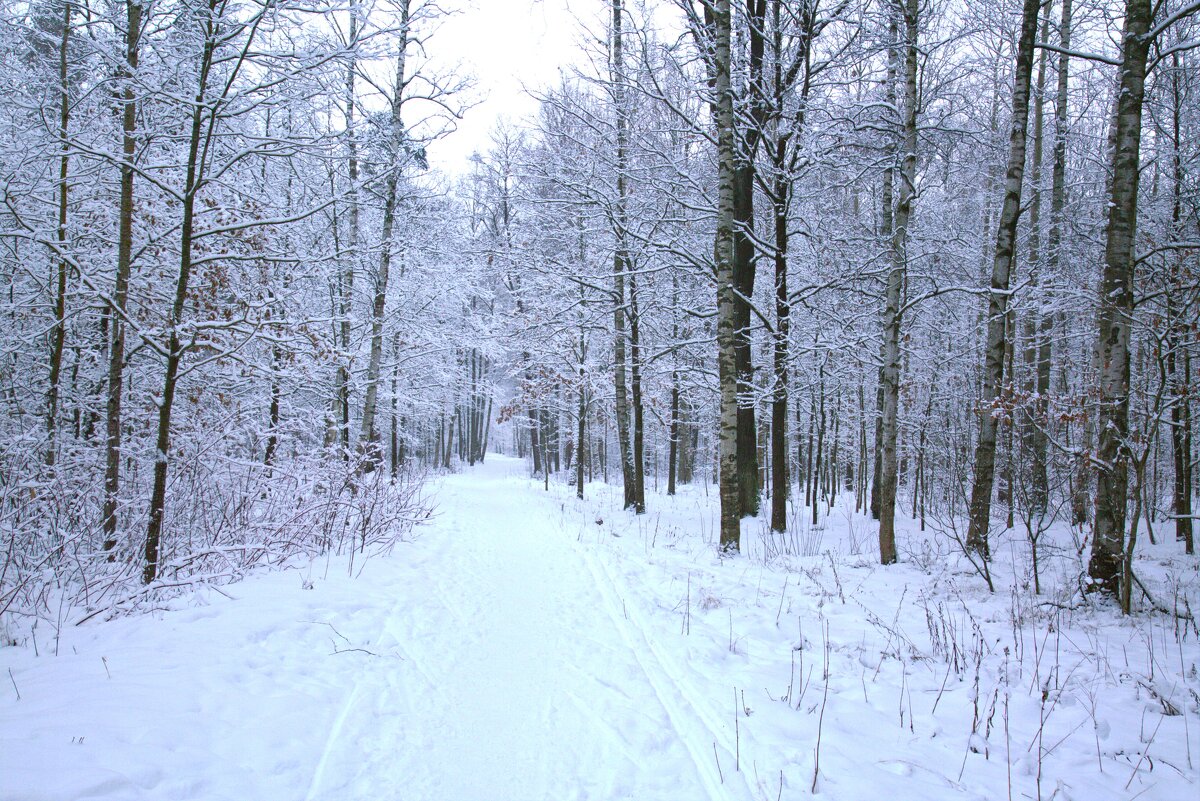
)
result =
(909, 14)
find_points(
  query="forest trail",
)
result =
(516, 680)
(487, 659)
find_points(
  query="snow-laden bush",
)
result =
(225, 517)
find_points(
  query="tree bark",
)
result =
(1116, 307)
(195, 173)
(116, 349)
(997, 335)
(58, 336)
(744, 262)
(1181, 418)
(779, 397)
(395, 450)
(581, 417)
(1036, 353)
(781, 196)
(674, 428)
(731, 511)
(369, 436)
(273, 407)
(1058, 201)
(635, 387)
(910, 10)
(819, 458)
(621, 260)
(349, 267)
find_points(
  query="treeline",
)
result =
(926, 258)
(946, 252)
(236, 324)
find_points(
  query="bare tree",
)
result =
(120, 296)
(909, 11)
(397, 153)
(731, 512)
(1116, 305)
(1006, 242)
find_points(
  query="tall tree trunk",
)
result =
(470, 434)
(818, 459)
(887, 231)
(810, 478)
(743, 271)
(350, 259)
(1116, 306)
(1009, 492)
(581, 416)
(877, 457)
(545, 454)
(369, 436)
(621, 259)
(635, 387)
(1177, 321)
(116, 349)
(195, 172)
(273, 408)
(860, 500)
(396, 450)
(731, 511)
(744, 262)
(448, 451)
(487, 428)
(674, 445)
(779, 397)
(781, 196)
(1006, 237)
(895, 285)
(58, 336)
(1054, 247)
(1036, 331)
(535, 446)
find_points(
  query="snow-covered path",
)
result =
(517, 681)
(487, 660)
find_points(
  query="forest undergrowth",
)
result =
(842, 671)
(230, 518)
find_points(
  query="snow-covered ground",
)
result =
(530, 646)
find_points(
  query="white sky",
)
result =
(505, 44)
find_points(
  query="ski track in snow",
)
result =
(496, 664)
(516, 681)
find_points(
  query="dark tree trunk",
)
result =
(117, 321)
(673, 448)
(58, 336)
(779, 399)
(1177, 357)
(1036, 353)
(997, 324)
(195, 171)
(744, 262)
(635, 388)
(369, 435)
(743, 280)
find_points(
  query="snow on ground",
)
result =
(530, 646)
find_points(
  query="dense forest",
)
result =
(928, 259)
